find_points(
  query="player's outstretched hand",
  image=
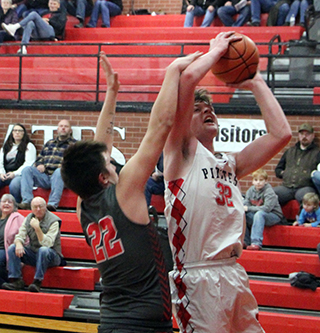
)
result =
(111, 76)
(247, 84)
(183, 62)
(221, 43)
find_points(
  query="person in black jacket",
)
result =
(7, 15)
(200, 8)
(40, 28)
(296, 165)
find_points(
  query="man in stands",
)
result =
(78, 8)
(200, 8)
(46, 171)
(42, 228)
(296, 165)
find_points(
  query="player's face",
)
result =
(308, 207)
(258, 182)
(204, 120)
(112, 176)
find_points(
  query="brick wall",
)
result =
(166, 6)
(135, 125)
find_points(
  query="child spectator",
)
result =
(310, 213)
(262, 208)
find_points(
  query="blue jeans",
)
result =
(256, 221)
(78, 8)
(198, 11)
(294, 9)
(260, 6)
(285, 194)
(44, 258)
(31, 177)
(107, 8)
(14, 187)
(153, 187)
(33, 25)
(316, 180)
(3, 267)
(226, 14)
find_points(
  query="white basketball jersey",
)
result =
(204, 210)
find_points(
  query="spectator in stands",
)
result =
(315, 177)
(264, 6)
(133, 287)
(107, 9)
(46, 171)
(26, 7)
(262, 209)
(229, 9)
(295, 167)
(155, 183)
(79, 8)
(204, 205)
(7, 16)
(17, 152)
(278, 13)
(310, 213)
(296, 7)
(42, 228)
(200, 8)
(10, 222)
(40, 28)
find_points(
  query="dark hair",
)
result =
(81, 166)
(202, 95)
(10, 141)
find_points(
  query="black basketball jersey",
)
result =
(135, 284)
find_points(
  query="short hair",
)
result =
(260, 172)
(10, 1)
(202, 95)
(311, 198)
(10, 197)
(55, 1)
(81, 166)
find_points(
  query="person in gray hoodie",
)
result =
(42, 228)
(262, 209)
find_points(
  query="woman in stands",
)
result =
(10, 222)
(7, 16)
(40, 27)
(17, 152)
(107, 9)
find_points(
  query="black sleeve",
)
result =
(281, 166)
(58, 21)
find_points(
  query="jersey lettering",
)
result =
(103, 239)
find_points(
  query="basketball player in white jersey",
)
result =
(210, 291)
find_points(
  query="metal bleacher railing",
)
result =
(289, 68)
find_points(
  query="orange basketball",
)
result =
(239, 63)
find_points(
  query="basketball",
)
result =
(239, 63)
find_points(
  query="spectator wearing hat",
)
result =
(296, 165)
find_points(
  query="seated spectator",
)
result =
(155, 184)
(40, 28)
(17, 152)
(79, 8)
(7, 16)
(262, 209)
(10, 222)
(26, 7)
(107, 9)
(295, 7)
(264, 6)
(227, 12)
(310, 213)
(200, 8)
(315, 177)
(46, 171)
(42, 228)
(295, 167)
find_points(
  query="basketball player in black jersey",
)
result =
(114, 214)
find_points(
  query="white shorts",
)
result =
(214, 297)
